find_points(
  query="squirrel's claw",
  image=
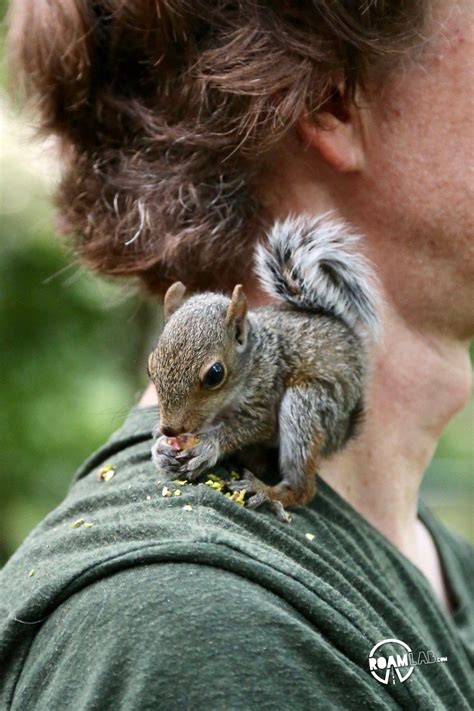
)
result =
(194, 461)
(189, 463)
(276, 506)
(249, 482)
(165, 464)
(164, 457)
(261, 497)
(254, 486)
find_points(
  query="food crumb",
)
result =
(309, 536)
(217, 485)
(88, 524)
(238, 496)
(106, 472)
(177, 492)
(77, 523)
(214, 477)
(148, 498)
(187, 507)
(166, 492)
(182, 482)
(31, 572)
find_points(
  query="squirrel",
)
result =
(286, 378)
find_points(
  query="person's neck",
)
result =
(417, 385)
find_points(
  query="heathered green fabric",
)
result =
(156, 607)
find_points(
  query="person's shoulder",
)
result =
(121, 514)
(190, 636)
(132, 572)
(176, 581)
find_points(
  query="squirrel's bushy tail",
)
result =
(313, 263)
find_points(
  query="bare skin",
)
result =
(395, 167)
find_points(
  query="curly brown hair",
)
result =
(165, 110)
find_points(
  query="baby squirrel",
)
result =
(287, 377)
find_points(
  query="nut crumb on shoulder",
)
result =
(238, 497)
(106, 472)
(77, 523)
(309, 536)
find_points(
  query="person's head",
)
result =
(187, 126)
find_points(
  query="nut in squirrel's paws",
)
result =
(187, 455)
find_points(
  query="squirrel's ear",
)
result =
(236, 316)
(174, 297)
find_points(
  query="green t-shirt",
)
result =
(191, 601)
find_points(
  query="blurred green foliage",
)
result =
(73, 346)
(72, 360)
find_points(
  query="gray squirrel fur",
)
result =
(294, 371)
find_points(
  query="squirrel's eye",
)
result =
(214, 375)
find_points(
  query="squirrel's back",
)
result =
(313, 264)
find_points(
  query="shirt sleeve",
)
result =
(183, 636)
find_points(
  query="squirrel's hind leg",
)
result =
(305, 413)
(310, 416)
(302, 424)
(261, 493)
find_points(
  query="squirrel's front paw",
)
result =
(194, 461)
(164, 457)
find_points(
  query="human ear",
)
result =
(336, 132)
(236, 316)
